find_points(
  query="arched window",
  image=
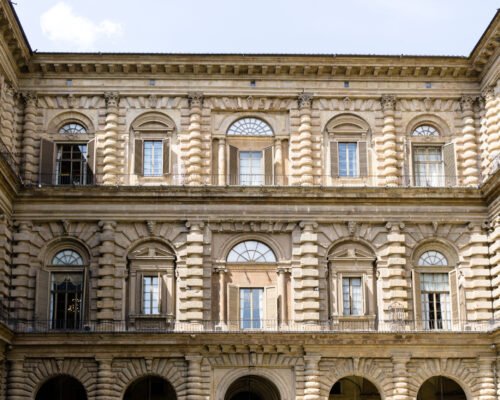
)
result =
(425, 130)
(67, 257)
(61, 387)
(250, 126)
(251, 251)
(72, 128)
(432, 257)
(150, 388)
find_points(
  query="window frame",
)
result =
(356, 160)
(160, 168)
(86, 173)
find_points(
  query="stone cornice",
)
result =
(487, 46)
(13, 35)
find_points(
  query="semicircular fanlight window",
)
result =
(432, 258)
(425, 130)
(67, 257)
(72, 129)
(251, 251)
(250, 127)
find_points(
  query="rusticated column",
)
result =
(7, 117)
(29, 145)
(106, 272)
(194, 146)
(194, 378)
(494, 251)
(470, 166)
(222, 162)
(105, 379)
(5, 257)
(486, 378)
(191, 276)
(492, 116)
(17, 388)
(21, 271)
(312, 386)
(400, 376)
(304, 145)
(306, 277)
(389, 145)
(110, 152)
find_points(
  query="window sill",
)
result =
(152, 322)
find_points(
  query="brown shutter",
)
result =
(215, 162)
(454, 300)
(47, 161)
(271, 307)
(417, 299)
(363, 160)
(166, 156)
(233, 166)
(86, 296)
(407, 163)
(138, 160)
(284, 150)
(334, 160)
(450, 173)
(268, 166)
(42, 299)
(91, 149)
(233, 301)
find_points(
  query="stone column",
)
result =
(17, 388)
(283, 296)
(29, 145)
(492, 116)
(194, 147)
(221, 271)
(222, 162)
(304, 145)
(400, 376)
(470, 160)
(7, 117)
(389, 145)
(194, 378)
(106, 273)
(21, 271)
(105, 379)
(494, 252)
(486, 378)
(312, 385)
(306, 277)
(110, 152)
(279, 167)
(170, 283)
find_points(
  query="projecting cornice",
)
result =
(487, 48)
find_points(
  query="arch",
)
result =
(432, 257)
(252, 387)
(441, 388)
(250, 126)
(268, 240)
(61, 386)
(66, 117)
(150, 387)
(347, 124)
(428, 119)
(153, 121)
(448, 249)
(62, 243)
(356, 387)
(67, 257)
(251, 251)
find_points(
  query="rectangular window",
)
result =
(251, 171)
(348, 159)
(150, 295)
(435, 296)
(428, 164)
(71, 164)
(251, 308)
(66, 292)
(153, 158)
(351, 296)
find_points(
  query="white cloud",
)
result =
(61, 24)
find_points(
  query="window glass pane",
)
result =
(348, 159)
(352, 296)
(150, 295)
(66, 300)
(251, 168)
(251, 251)
(428, 166)
(71, 164)
(435, 297)
(153, 157)
(250, 127)
(251, 308)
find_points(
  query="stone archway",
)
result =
(354, 387)
(441, 388)
(252, 387)
(150, 388)
(61, 387)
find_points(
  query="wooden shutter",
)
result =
(268, 166)
(334, 160)
(407, 163)
(233, 300)
(91, 161)
(363, 159)
(42, 298)
(233, 166)
(454, 298)
(450, 172)
(166, 156)
(417, 298)
(86, 296)
(215, 162)
(47, 162)
(285, 151)
(138, 157)
(271, 307)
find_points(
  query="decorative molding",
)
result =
(112, 99)
(195, 99)
(388, 102)
(467, 103)
(248, 226)
(305, 100)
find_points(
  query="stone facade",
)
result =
(234, 235)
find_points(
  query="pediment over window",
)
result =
(347, 124)
(351, 251)
(153, 122)
(151, 251)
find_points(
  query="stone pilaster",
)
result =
(492, 120)
(390, 171)
(221, 170)
(400, 376)
(301, 145)
(20, 283)
(283, 296)
(312, 385)
(106, 272)
(29, 144)
(194, 379)
(486, 378)
(105, 379)
(193, 148)
(7, 116)
(17, 388)
(494, 251)
(306, 277)
(279, 166)
(222, 271)
(110, 151)
(469, 154)
(191, 276)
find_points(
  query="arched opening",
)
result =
(252, 387)
(355, 388)
(61, 387)
(441, 388)
(150, 388)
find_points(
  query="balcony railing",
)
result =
(166, 325)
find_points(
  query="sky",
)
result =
(417, 27)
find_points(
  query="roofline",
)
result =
(485, 33)
(20, 26)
